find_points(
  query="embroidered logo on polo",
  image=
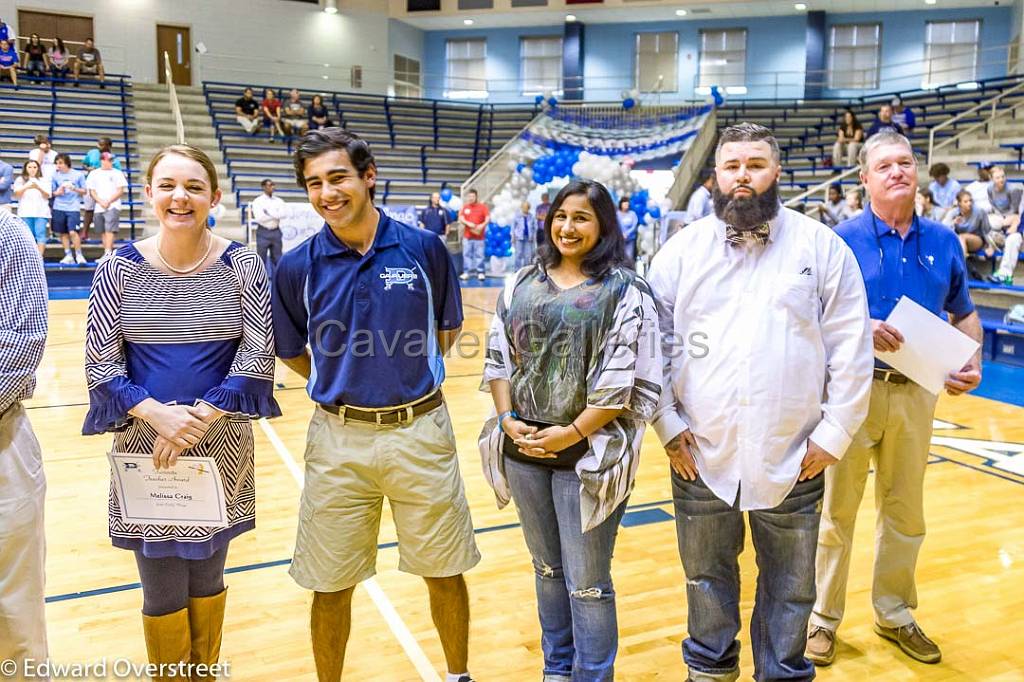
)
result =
(397, 277)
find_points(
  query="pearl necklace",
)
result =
(187, 270)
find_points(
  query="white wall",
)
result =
(281, 42)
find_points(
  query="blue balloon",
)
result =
(552, 102)
(654, 212)
(446, 194)
(520, 167)
(538, 99)
(628, 103)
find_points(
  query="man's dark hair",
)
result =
(610, 249)
(66, 158)
(266, 181)
(473, 192)
(837, 187)
(748, 132)
(938, 170)
(317, 142)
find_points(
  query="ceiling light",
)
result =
(467, 22)
(570, 17)
(800, 7)
(324, 77)
(680, 12)
(929, 2)
(331, 6)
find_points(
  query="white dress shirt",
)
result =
(268, 211)
(765, 347)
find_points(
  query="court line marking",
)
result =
(398, 627)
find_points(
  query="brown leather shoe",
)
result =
(821, 646)
(912, 641)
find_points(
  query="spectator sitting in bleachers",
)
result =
(979, 188)
(60, 59)
(6, 183)
(854, 204)
(319, 115)
(89, 62)
(33, 195)
(903, 115)
(8, 62)
(271, 108)
(970, 224)
(68, 188)
(944, 190)
(44, 156)
(294, 116)
(1004, 201)
(834, 210)
(247, 113)
(849, 137)
(926, 208)
(6, 32)
(35, 57)
(884, 122)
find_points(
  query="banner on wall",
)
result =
(302, 221)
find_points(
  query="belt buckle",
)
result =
(404, 416)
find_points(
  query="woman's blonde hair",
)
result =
(189, 152)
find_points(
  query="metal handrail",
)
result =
(172, 94)
(932, 146)
(498, 161)
(790, 203)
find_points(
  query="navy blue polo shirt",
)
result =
(434, 219)
(371, 320)
(927, 266)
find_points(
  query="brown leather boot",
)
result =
(206, 617)
(821, 646)
(168, 641)
(912, 641)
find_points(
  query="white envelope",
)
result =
(932, 348)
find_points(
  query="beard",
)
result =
(746, 213)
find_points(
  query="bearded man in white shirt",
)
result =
(768, 360)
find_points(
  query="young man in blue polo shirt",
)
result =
(365, 310)
(899, 255)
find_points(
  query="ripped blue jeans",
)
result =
(710, 535)
(575, 599)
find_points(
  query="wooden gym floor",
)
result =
(970, 573)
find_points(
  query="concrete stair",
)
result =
(156, 129)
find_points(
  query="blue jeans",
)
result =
(524, 250)
(710, 534)
(472, 255)
(38, 228)
(575, 599)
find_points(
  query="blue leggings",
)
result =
(38, 228)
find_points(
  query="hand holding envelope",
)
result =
(926, 348)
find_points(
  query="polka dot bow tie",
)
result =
(758, 235)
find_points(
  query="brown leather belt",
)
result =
(890, 376)
(387, 415)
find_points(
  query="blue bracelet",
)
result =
(508, 413)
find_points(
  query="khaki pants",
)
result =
(895, 437)
(22, 542)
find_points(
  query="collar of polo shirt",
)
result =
(384, 238)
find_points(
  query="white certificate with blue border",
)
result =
(191, 493)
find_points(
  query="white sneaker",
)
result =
(464, 277)
(68, 259)
(80, 259)
(106, 256)
(480, 276)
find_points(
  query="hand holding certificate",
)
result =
(190, 493)
(931, 350)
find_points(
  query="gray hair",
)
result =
(748, 132)
(880, 138)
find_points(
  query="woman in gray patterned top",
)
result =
(573, 364)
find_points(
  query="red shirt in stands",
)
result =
(477, 214)
(272, 105)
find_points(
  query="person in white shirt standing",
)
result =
(700, 204)
(106, 186)
(767, 390)
(266, 211)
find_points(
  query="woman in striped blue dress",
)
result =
(179, 358)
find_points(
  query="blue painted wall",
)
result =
(903, 35)
(776, 53)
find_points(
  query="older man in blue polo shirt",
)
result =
(365, 310)
(899, 255)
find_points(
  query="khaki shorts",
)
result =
(350, 468)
